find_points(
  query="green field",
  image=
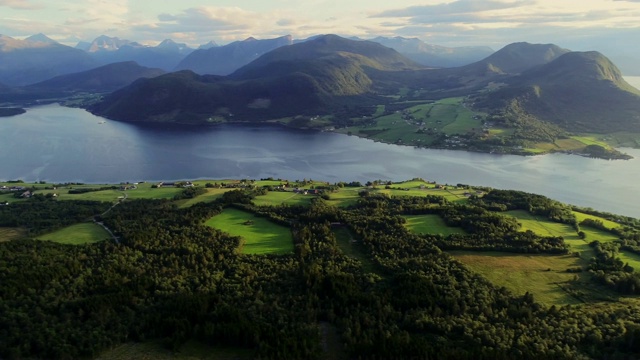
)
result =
(448, 116)
(544, 276)
(430, 224)
(260, 235)
(211, 195)
(607, 223)
(77, 234)
(275, 198)
(546, 227)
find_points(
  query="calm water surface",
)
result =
(59, 144)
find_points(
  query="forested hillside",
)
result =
(388, 292)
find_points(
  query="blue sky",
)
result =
(605, 25)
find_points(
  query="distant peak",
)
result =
(40, 37)
(250, 38)
(209, 45)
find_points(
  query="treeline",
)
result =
(87, 190)
(41, 215)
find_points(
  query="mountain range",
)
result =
(574, 90)
(38, 58)
(223, 60)
(107, 50)
(256, 80)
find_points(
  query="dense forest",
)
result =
(170, 277)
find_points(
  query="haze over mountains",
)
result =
(38, 58)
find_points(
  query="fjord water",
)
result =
(59, 144)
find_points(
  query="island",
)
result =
(277, 268)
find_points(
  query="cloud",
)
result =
(203, 19)
(20, 4)
(456, 8)
(286, 22)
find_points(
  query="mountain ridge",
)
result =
(105, 78)
(582, 91)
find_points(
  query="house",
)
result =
(26, 194)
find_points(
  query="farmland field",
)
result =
(447, 116)
(77, 234)
(260, 235)
(607, 223)
(430, 224)
(275, 198)
(544, 276)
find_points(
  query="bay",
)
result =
(58, 144)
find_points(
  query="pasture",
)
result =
(276, 198)
(546, 227)
(430, 224)
(448, 116)
(260, 235)
(607, 223)
(211, 195)
(78, 234)
(544, 276)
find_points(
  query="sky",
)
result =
(609, 26)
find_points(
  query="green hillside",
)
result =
(580, 91)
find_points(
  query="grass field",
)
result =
(607, 223)
(9, 233)
(447, 116)
(546, 227)
(430, 224)
(275, 198)
(211, 195)
(78, 234)
(192, 350)
(572, 143)
(260, 235)
(544, 276)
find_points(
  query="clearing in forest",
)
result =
(78, 234)
(260, 235)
